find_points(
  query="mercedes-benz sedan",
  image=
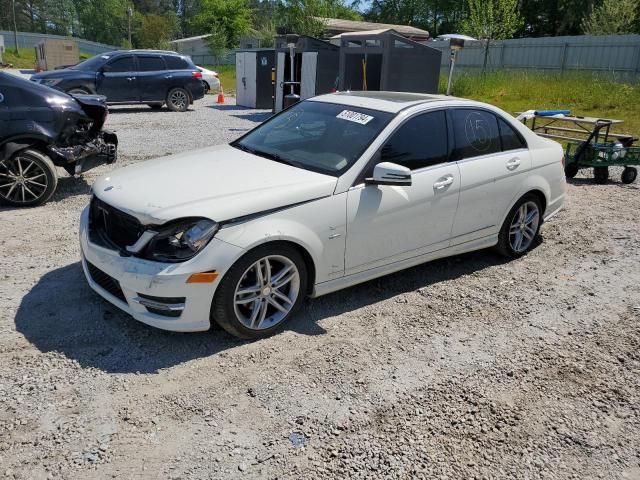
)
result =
(334, 191)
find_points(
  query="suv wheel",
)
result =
(27, 179)
(77, 91)
(178, 100)
(520, 228)
(261, 292)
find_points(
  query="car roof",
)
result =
(163, 52)
(391, 102)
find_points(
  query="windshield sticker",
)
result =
(356, 117)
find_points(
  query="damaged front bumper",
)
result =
(77, 159)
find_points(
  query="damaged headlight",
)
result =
(181, 240)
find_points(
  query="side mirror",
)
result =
(387, 173)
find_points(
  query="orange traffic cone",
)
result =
(221, 95)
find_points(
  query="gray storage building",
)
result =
(253, 77)
(315, 67)
(385, 60)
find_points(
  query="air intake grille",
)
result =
(110, 224)
(106, 282)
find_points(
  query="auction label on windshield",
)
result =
(357, 117)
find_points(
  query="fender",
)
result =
(8, 149)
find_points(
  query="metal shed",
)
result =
(54, 53)
(253, 77)
(385, 60)
(315, 67)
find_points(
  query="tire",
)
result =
(77, 91)
(32, 189)
(155, 106)
(571, 170)
(600, 175)
(629, 175)
(240, 313)
(206, 87)
(178, 100)
(513, 225)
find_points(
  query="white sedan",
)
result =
(334, 191)
(209, 79)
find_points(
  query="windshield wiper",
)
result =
(261, 153)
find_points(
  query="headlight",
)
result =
(50, 82)
(181, 240)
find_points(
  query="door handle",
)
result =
(445, 182)
(168, 76)
(130, 79)
(513, 163)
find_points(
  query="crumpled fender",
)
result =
(8, 149)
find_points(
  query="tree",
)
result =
(103, 21)
(304, 17)
(154, 31)
(231, 18)
(612, 17)
(491, 20)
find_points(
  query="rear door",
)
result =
(152, 78)
(493, 161)
(118, 80)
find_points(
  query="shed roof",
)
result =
(338, 25)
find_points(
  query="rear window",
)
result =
(176, 63)
(150, 64)
(475, 132)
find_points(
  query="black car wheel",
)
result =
(520, 228)
(78, 91)
(261, 292)
(27, 179)
(178, 100)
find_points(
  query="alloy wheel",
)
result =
(266, 292)
(524, 226)
(22, 180)
(179, 99)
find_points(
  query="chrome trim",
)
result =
(145, 238)
(168, 307)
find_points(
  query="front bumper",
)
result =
(139, 279)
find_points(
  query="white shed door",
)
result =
(279, 80)
(250, 59)
(308, 80)
(240, 79)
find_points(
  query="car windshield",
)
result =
(93, 63)
(323, 137)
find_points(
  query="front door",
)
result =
(493, 159)
(385, 223)
(118, 80)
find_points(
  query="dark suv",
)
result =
(153, 77)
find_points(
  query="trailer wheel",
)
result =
(27, 179)
(571, 170)
(629, 175)
(600, 175)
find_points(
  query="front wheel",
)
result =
(520, 228)
(571, 170)
(629, 175)
(178, 100)
(27, 179)
(261, 292)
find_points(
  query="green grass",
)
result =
(583, 94)
(227, 76)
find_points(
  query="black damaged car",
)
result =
(41, 129)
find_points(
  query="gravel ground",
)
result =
(468, 367)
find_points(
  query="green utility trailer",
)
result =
(590, 143)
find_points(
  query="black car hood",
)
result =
(63, 73)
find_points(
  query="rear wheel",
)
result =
(261, 292)
(178, 100)
(27, 179)
(206, 86)
(571, 170)
(78, 91)
(520, 228)
(600, 175)
(629, 175)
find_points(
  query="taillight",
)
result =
(196, 74)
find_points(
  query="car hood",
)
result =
(221, 183)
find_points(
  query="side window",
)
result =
(420, 142)
(175, 63)
(510, 138)
(150, 64)
(476, 133)
(122, 64)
